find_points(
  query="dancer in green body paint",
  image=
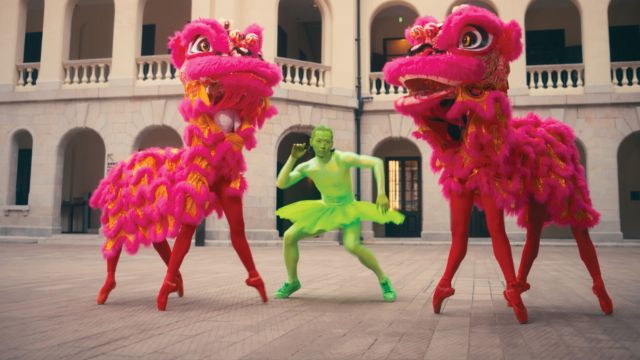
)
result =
(331, 172)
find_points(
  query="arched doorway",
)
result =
(485, 5)
(629, 185)
(553, 36)
(624, 29)
(403, 175)
(32, 40)
(300, 30)
(160, 136)
(83, 168)
(387, 35)
(305, 189)
(564, 232)
(91, 30)
(20, 171)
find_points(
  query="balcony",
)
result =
(88, 71)
(302, 75)
(625, 75)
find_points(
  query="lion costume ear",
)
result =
(511, 41)
(178, 50)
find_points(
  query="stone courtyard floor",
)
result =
(48, 310)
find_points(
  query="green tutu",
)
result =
(316, 216)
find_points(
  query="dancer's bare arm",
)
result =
(377, 166)
(287, 176)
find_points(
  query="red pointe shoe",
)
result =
(179, 285)
(257, 283)
(605, 301)
(163, 295)
(439, 295)
(512, 294)
(104, 292)
(521, 285)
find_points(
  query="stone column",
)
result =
(12, 25)
(338, 48)
(127, 34)
(518, 75)
(56, 33)
(595, 46)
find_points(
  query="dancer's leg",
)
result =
(351, 242)
(590, 258)
(232, 207)
(502, 252)
(460, 209)
(291, 257)
(180, 249)
(110, 281)
(164, 250)
(535, 222)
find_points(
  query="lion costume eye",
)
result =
(200, 45)
(474, 38)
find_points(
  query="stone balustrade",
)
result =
(556, 76)
(86, 71)
(155, 68)
(625, 74)
(27, 74)
(303, 74)
(379, 87)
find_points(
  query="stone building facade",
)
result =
(97, 85)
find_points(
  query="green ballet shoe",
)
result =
(388, 293)
(287, 289)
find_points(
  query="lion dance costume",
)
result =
(163, 193)
(456, 75)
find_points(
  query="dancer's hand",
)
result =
(298, 150)
(382, 203)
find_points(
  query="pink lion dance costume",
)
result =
(456, 74)
(161, 193)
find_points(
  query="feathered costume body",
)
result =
(146, 198)
(456, 76)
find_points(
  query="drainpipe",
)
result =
(359, 109)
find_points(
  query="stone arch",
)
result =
(485, 4)
(386, 32)
(91, 29)
(20, 162)
(403, 183)
(157, 136)
(80, 167)
(628, 158)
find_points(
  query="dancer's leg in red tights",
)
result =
(180, 249)
(164, 250)
(232, 207)
(590, 259)
(110, 281)
(502, 252)
(535, 222)
(460, 207)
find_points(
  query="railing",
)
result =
(377, 86)
(625, 73)
(155, 68)
(303, 73)
(555, 76)
(90, 71)
(27, 74)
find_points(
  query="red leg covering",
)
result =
(232, 207)
(535, 222)
(590, 258)
(164, 250)
(502, 252)
(460, 207)
(180, 249)
(110, 281)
